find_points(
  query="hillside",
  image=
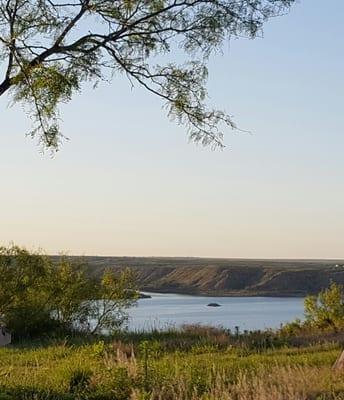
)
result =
(226, 277)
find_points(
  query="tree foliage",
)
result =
(326, 310)
(38, 296)
(323, 313)
(48, 48)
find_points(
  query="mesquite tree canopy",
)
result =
(48, 48)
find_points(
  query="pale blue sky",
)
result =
(129, 183)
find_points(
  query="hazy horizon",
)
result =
(68, 254)
(128, 183)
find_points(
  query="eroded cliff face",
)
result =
(226, 277)
(231, 282)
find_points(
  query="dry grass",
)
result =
(280, 384)
(146, 371)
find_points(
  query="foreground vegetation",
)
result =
(193, 363)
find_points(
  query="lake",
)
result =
(164, 310)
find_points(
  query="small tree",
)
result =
(38, 296)
(71, 290)
(24, 291)
(326, 310)
(116, 293)
(48, 48)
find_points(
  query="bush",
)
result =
(38, 296)
(326, 310)
(122, 385)
(80, 380)
(5, 396)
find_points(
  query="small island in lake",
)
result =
(214, 305)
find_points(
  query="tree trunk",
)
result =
(4, 86)
(339, 364)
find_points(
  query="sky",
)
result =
(128, 182)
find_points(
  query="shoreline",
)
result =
(229, 295)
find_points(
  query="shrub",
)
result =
(79, 380)
(122, 384)
(326, 310)
(98, 349)
(39, 296)
(5, 396)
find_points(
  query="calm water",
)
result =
(163, 310)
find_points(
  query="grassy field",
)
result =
(195, 363)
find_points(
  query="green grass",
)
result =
(158, 366)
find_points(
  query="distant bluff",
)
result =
(226, 277)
